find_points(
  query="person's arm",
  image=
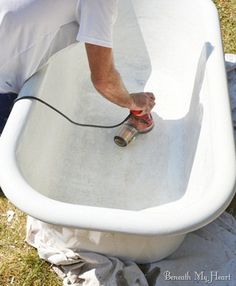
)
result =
(106, 79)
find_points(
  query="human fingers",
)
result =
(151, 95)
(143, 101)
(147, 109)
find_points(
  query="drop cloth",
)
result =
(206, 256)
(231, 73)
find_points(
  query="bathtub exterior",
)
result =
(140, 248)
(156, 230)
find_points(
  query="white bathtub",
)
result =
(140, 201)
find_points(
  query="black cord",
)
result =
(66, 117)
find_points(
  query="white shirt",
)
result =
(32, 30)
(96, 19)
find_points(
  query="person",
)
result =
(33, 30)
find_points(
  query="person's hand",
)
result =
(143, 101)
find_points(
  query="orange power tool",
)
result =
(136, 124)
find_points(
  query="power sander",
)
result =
(136, 124)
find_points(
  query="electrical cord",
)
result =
(66, 117)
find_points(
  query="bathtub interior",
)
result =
(158, 47)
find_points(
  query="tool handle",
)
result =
(136, 112)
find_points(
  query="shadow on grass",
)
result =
(2, 194)
(232, 207)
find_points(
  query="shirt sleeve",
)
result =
(96, 19)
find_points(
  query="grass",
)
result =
(227, 14)
(19, 263)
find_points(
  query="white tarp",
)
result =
(231, 73)
(206, 257)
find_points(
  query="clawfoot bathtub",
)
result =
(137, 202)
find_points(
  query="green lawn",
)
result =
(19, 263)
(227, 14)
